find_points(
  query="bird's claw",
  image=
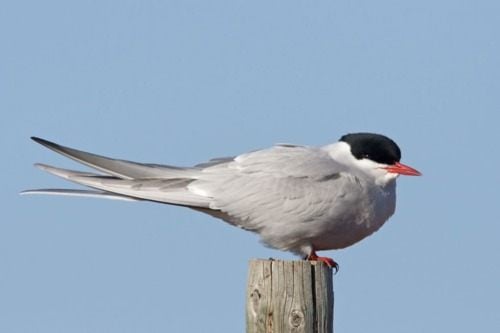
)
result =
(326, 260)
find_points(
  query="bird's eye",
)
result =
(366, 155)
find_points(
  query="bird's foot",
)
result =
(328, 261)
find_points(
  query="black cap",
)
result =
(375, 147)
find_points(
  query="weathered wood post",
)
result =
(289, 296)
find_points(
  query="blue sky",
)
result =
(179, 82)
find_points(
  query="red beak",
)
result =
(402, 169)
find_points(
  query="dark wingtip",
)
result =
(43, 142)
(37, 139)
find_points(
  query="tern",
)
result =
(301, 199)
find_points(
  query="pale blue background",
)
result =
(182, 81)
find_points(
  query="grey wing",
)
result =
(116, 167)
(173, 191)
(274, 189)
(125, 180)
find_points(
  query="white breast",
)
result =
(363, 213)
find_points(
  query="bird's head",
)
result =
(376, 155)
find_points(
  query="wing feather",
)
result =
(172, 191)
(116, 167)
(288, 182)
(80, 193)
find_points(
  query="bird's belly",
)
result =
(345, 234)
(350, 228)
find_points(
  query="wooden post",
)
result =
(289, 296)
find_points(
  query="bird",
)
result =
(297, 198)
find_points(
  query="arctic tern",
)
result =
(301, 199)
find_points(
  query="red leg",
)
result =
(328, 261)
